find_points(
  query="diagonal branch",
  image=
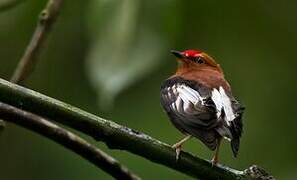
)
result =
(115, 135)
(46, 19)
(67, 139)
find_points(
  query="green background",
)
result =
(254, 41)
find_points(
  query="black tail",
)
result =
(235, 146)
(236, 131)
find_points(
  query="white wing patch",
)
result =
(186, 100)
(222, 101)
(217, 99)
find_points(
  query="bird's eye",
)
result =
(199, 60)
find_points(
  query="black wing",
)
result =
(190, 109)
(236, 126)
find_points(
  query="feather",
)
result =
(223, 103)
(187, 110)
(217, 99)
(227, 106)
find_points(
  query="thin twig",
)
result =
(46, 19)
(114, 135)
(8, 4)
(67, 139)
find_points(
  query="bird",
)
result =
(199, 103)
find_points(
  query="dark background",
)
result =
(110, 57)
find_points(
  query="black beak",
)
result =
(177, 54)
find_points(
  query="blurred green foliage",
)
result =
(117, 53)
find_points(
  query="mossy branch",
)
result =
(116, 136)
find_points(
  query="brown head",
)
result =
(199, 66)
(196, 59)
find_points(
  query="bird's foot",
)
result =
(214, 161)
(177, 148)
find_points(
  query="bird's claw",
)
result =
(177, 148)
(214, 161)
(177, 151)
